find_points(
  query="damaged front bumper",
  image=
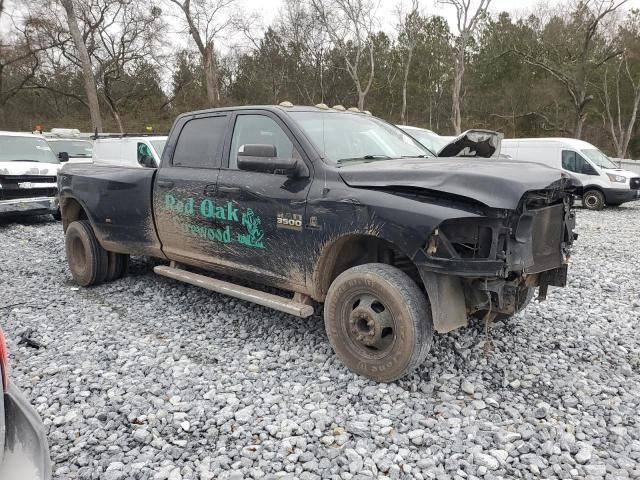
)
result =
(490, 263)
(29, 206)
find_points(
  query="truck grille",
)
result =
(634, 183)
(27, 186)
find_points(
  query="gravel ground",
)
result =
(146, 378)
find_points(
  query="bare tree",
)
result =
(205, 20)
(129, 39)
(409, 27)
(87, 72)
(468, 17)
(577, 53)
(621, 92)
(349, 25)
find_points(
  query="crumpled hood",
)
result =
(29, 168)
(497, 184)
(473, 143)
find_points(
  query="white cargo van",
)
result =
(600, 182)
(133, 151)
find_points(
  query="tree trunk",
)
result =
(577, 132)
(361, 96)
(87, 73)
(458, 75)
(403, 113)
(211, 76)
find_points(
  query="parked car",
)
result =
(599, 181)
(337, 207)
(125, 150)
(28, 169)
(24, 452)
(71, 149)
(472, 143)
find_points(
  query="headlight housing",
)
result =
(617, 178)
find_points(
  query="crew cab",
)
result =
(337, 207)
(28, 170)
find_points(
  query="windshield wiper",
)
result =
(25, 160)
(416, 156)
(366, 157)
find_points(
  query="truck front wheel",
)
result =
(87, 259)
(378, 321)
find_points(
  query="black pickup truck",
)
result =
(336, 207)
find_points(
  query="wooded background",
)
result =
(119, 65)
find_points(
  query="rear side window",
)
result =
(200, 143)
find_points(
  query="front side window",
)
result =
(200, 143)
(145, 157)
(25, 149)
(343, 136)
(260, 130)
(575, 163)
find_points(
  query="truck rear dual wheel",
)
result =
(378, 321)
(89, 263)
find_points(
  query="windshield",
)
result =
(158, 146)
(599, 158)
(75, 148)
(343, 137)
(25, 149)
(429, 139)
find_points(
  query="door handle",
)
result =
(164, 183)
(226, 189)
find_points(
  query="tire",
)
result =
(378, 321)
(593, 200)
(88, 261)
(117, 264)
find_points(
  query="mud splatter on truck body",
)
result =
(475, 235)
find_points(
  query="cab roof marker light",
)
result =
(366, 112)
(322, 106)
(286, 103)
(354, 109)
(339, 107)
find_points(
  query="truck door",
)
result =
(265, 211)
(185, 188)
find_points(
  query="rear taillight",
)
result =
(4, 359)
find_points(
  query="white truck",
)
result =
(600, 182)
(28, 175)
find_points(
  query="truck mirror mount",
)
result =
(63, 157)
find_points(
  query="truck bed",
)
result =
(118, 200)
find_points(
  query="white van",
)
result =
(132, 151)
(600, 182)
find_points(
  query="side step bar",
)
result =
(244, 293)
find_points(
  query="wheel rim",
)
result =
(591, 201)
(370, 325)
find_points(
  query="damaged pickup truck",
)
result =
(337, 207)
